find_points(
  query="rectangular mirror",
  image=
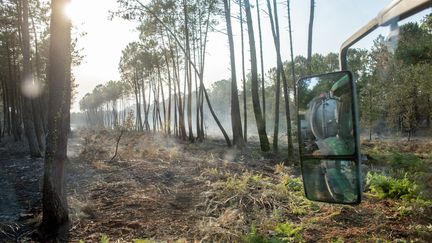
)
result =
(325, 108)
(333, 181)
(328, 137)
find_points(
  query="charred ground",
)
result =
(163, 189)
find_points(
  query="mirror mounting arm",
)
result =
(396, 10)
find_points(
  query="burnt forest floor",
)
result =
(163, 189)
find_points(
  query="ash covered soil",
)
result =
(159, 188)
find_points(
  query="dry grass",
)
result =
(164, 189)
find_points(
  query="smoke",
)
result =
(392, 39)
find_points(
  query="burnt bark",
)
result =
(55, 220)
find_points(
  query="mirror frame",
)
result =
(356, 130)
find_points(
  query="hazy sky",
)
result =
(335, 21)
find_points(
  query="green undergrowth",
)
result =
(402, 176)
(283, 232)
(388, 187)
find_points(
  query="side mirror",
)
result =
(329, 138)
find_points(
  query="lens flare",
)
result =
(31, 88)
(68, 10)
(72, 10)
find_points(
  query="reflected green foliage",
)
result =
(414, 43)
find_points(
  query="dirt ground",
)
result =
(163, 189)
(153, 190)
(157, 189)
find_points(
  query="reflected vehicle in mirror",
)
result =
(334, 181)
(328, 138)
(328, 117)
(327, 128)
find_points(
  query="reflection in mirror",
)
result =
(334, 181)
(326, 115)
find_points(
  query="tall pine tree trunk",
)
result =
(235, 106)
(310, 31)
(262, 64)
(280, 69)
(27, 81)
(265, 146)
(292, 54)
(169, 95)
(188, 74)
(243, 73)
(55, 210)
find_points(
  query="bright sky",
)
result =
(335, 21)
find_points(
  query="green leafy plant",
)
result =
(285, 232)
(388, 187)
(143, 241)
(337, 240)
(289, 232)
(104, 239)
(254, 236)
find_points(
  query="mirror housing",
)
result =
(329, 138)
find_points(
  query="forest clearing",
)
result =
(164, 189)
(215, 121)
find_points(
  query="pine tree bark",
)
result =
(265, 146)
(235, 106)
(292, 54)
(310, 32)
(55, 220)
(39, 110)
(169, 94)
(188, 74)
(281, 73)
(262, 64)
(27, 77)
(245, 128)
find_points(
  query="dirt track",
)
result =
(152, 191)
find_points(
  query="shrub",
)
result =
(407, 162)
(289, 232)
(285, 232)
(254, 236)
(388, 187)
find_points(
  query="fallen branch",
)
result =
(117, 144)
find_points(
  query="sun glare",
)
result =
(72, 11)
